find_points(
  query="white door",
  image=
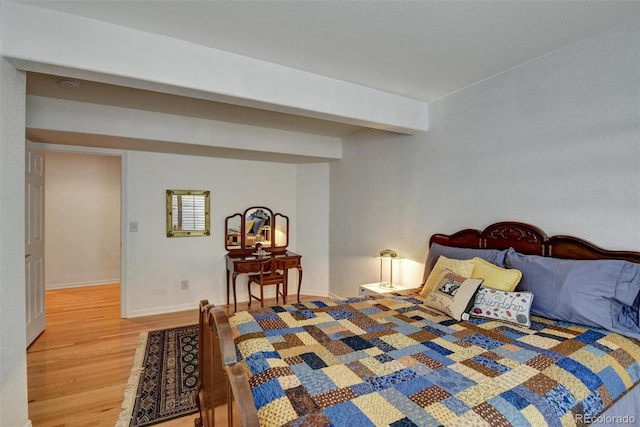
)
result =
(34, 242)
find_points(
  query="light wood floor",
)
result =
(78, 368)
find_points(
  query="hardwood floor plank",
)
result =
(79, 367)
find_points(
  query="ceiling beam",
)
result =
(46, 41)
(49, 119)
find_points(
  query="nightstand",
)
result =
(375, 289)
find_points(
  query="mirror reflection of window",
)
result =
(281, 233)
(258, 228)
(233, 232)
(188, 212)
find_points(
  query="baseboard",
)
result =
(81, 284)
(163, 310)
(193, 306)
(335, 296)
(311, 292)
(28, 424)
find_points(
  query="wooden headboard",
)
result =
(529, 239)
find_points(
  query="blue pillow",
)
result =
(587, 292)
(494, 256)
(626, 317)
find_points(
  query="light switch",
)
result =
(133, 227)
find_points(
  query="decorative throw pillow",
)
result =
(494, 256)
(461, 267)
(453, 294)
(504, 279)
(511, 307)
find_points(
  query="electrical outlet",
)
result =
(184, 284)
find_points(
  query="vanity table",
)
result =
(246, 264)
(247, 232)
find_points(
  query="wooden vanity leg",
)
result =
(227, 286)
(235, 299)
(299, 281)
(285, 287)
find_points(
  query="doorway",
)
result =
(82, 219)
(83, 215)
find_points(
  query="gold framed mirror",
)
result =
(188, 213)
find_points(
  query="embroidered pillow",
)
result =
(504, 279)
(453, 294)
(510, 307)
(461, 267)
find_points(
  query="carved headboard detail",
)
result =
(529, 239)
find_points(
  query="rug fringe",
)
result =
(131, 391)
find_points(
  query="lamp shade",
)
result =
(385, 253)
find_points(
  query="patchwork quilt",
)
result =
(393, 361)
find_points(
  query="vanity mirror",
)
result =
(281, 234)
(188, 213)
(256, 224)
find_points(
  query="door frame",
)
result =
(124, 217)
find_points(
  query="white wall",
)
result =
(312, 226)
(13, 359)
(157, 264)
(554, 142)
(82, 219)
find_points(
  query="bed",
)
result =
(573, 359)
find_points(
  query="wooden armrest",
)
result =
(242, 396)
(218, 365)
(227, 346)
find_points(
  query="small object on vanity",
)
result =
(260, 250)
(387, 255)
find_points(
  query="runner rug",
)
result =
(164, 378)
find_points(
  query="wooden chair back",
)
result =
(269, 274)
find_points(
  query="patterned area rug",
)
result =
(164, 378)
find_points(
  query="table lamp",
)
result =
(391, 255)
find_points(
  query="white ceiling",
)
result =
(419, 49)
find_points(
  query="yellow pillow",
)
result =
(503, 279)
(458, 266)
